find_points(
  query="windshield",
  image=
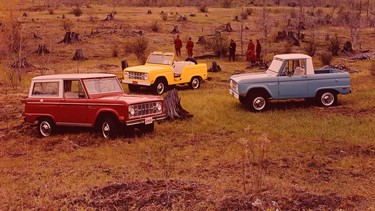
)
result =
(102, 85)
(160, 59)
(275, 65)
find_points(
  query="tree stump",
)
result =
(348, 48)
(215, 67)
(79, 55)
(201, 40)
(42, 49)
(110, 17)
(149, 12)
(175, 30)
(70, 37)
(124, 64)
(228, 27)
(173, 108)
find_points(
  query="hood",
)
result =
(132, 99)
(252, 76)
(145, 68)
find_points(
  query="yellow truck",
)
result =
(161, 71)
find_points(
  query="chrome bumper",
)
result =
(144, 120)
(141, 83)
(231, 92)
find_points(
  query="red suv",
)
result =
(88, 100)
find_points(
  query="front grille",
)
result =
(136, 75)
(145, 109)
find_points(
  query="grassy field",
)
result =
(294, 156)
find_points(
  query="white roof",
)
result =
(73, 76)
(292, 56)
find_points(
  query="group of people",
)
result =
(252, 53)
(178, 46)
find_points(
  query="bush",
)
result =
(244, 15)
(226, 3)
(77, 11)
(68, 25)
(219, 45)
(249, 11)
(372, 68)
(334, 46)
(326, 58)
(155, 26)
(310, 48)
(138, 47)
(203, 8)
(164, 16)
(51, 11)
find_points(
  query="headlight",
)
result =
(131, 111)
(158, 106)
(145, 76)
(126, 75)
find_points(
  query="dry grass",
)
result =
(295, 155)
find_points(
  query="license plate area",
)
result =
(148, 120)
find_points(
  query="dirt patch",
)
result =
(345, 111)
(146, 195)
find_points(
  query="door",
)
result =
(293, 81)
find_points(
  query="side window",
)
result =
(46, 89)
(73, 89)
(294, 67)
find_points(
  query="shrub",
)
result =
(372, 68)
(51, 11)
(310, 48)
(77, 11)
(138, 47)
(68, 25)
(155, 26)
(334, 46)
(203, 8)
(226, 3)
(326, 58)
(219, 45)
(249, 11)
(164, 16)
(244, 15)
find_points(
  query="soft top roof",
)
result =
(73, 76)
(292, 56)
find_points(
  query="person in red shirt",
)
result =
(178, 46)
(189, 47)
(250, 53)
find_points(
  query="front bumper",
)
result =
(145, 120)
(234, 94)
(134, 82)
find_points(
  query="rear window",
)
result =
(45, 89)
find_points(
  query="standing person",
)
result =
(250, 53)
(258, 50)
(178, 45)
(232, 50)
(189, 47)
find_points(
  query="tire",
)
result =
(195, 83)
(159, 87)
(133, 88)
(327, 98)
(46, 127)
(191, 59)
(257, 102)
(148, 128)
(109, 127)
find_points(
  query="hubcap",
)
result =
(45, 128)
(327, 99)
(160, 88)
(106, 130)
(195, 83)
(259, 103)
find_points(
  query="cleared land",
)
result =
(294, 156)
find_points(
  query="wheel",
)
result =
(133, 88)
(109, 128)
(159, 87)
(148, 128)
(327, 98)
(46, 127)
(191, 59)
(257, 102)
(195, 83)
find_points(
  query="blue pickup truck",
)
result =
(289, 76)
